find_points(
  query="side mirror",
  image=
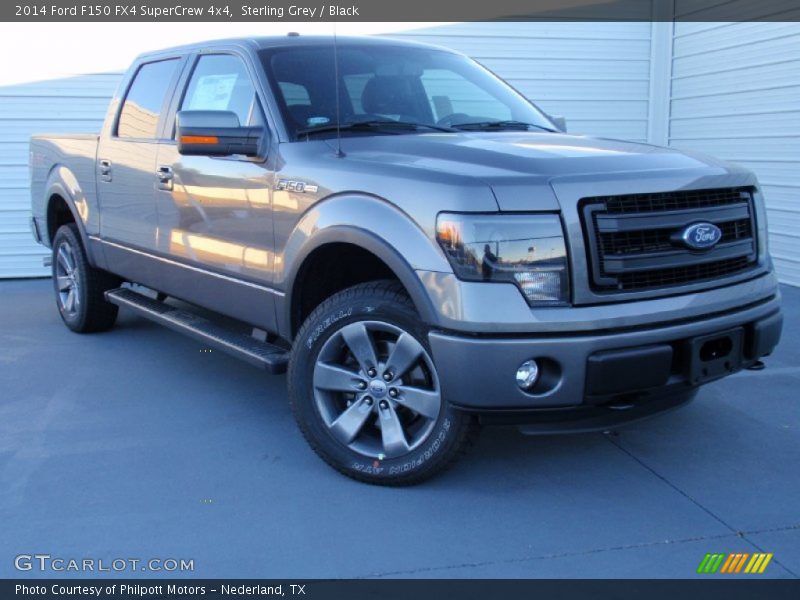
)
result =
(560, 123)
(215, 133)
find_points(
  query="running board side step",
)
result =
(258, 353)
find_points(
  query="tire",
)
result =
(353, 410)
(79, 287)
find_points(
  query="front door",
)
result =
(214, 213)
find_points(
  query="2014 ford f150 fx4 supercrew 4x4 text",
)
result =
(419, 245)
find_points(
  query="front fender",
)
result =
(373, 224)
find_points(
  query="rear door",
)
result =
(126, 158)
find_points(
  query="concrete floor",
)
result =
(136, 444)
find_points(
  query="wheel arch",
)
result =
(373, 224)
(63, 193)
(330, 240)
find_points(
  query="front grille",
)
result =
(658, 240)
(664, 201)
(633, 240)
(682, 275)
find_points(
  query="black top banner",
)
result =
(392, 10)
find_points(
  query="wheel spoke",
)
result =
(347, 425)
(359, 341)
(63, 283)
(335, 379)
(69, 303)
(70, 258)
(392, 435)
(64, 260)
(404, 355)
(424, 402)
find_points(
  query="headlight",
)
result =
(526, 250)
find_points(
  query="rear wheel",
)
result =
(79, 287)
(365, 390)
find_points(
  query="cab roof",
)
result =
(291, 41)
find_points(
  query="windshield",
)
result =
(391, 83)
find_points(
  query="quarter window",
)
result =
(142, 107)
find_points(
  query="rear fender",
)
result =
(63, 183)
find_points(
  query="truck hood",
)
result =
(513, 163)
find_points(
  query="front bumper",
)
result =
(499, 308)
(610, 368)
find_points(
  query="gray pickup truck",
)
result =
(421, 247)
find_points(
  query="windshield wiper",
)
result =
(490, 125)
(381, 126)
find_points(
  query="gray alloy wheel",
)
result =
(365, 392)
(376, 389)
(79, 287)
(68, 281)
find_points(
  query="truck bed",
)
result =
(69, 158)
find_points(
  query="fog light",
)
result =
(527, 374)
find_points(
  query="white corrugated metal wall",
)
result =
(736, 95)
(595, 74)
(732, 90)
(76, 104)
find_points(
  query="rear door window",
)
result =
(144, 102)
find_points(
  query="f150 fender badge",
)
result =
(295, 186)
(701, 236)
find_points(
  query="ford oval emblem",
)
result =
(701, 236)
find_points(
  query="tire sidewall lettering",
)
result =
(326, 324)
(431, 449)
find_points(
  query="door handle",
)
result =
(165, 176)
(105, 169)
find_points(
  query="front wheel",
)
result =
(365, 390)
